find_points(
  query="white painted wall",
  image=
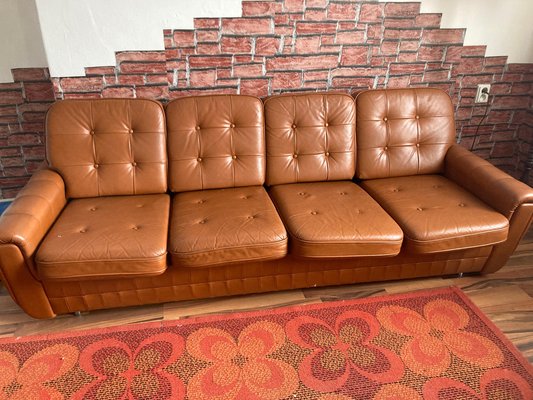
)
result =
(505, 26)
(21, 43)
(83, 33)
(86, 33)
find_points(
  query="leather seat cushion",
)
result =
(212, 227)
(335, 219)
(436, 214)
(103, 237)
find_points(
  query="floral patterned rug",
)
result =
(424, 345)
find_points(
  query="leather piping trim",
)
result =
(460, 236)
(114, 260)
(248, 246)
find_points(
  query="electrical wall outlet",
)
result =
(482, 94)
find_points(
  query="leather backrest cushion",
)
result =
(310, 138)
(107, 147)
(215, 142)
(403, 132)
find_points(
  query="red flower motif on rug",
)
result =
(341, 349)
(241, 369)
(29, 380)
(436, 336)
(123, 374)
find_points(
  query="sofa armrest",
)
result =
(32, 213)
(22, 228)
(496, 188)
(502, 192)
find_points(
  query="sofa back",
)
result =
(108, 147)
(215, 142)
(310, 137)
(403, 132)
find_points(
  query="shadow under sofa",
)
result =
(224, 195)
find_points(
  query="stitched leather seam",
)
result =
(232, 143)
(309, 154)
(326, 136)
(97, 276)
(111, 133)
(130, 147)
(274, 242)
(199, 139)
(111, 163)
(234, 261)
(417, 135)
(214, 157)
(348, 241)
(456, 237)
(217, 128)
(296, 169)
(109, 261)
(93, 142)
(342, 256)
(362, 119)
(402, 145)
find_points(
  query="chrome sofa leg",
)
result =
(77, 313)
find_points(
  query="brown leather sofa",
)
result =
(226, 195)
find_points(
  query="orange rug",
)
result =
(424, 345)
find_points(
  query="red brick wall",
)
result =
(23, 106)
(292, 45)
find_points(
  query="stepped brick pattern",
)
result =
(283, 46)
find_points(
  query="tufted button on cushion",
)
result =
(110, 145)
(324, 224)
(419, 130)
(232, 125)
(326, 123)
(433, 222)
(229, 231)
(119, 239)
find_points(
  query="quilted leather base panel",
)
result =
(178, 284)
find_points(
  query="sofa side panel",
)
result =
(402, 132)
(27, 220)
(310, 138)
(518, 226)
(25, 290)
(108, 147)
(215, 142)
